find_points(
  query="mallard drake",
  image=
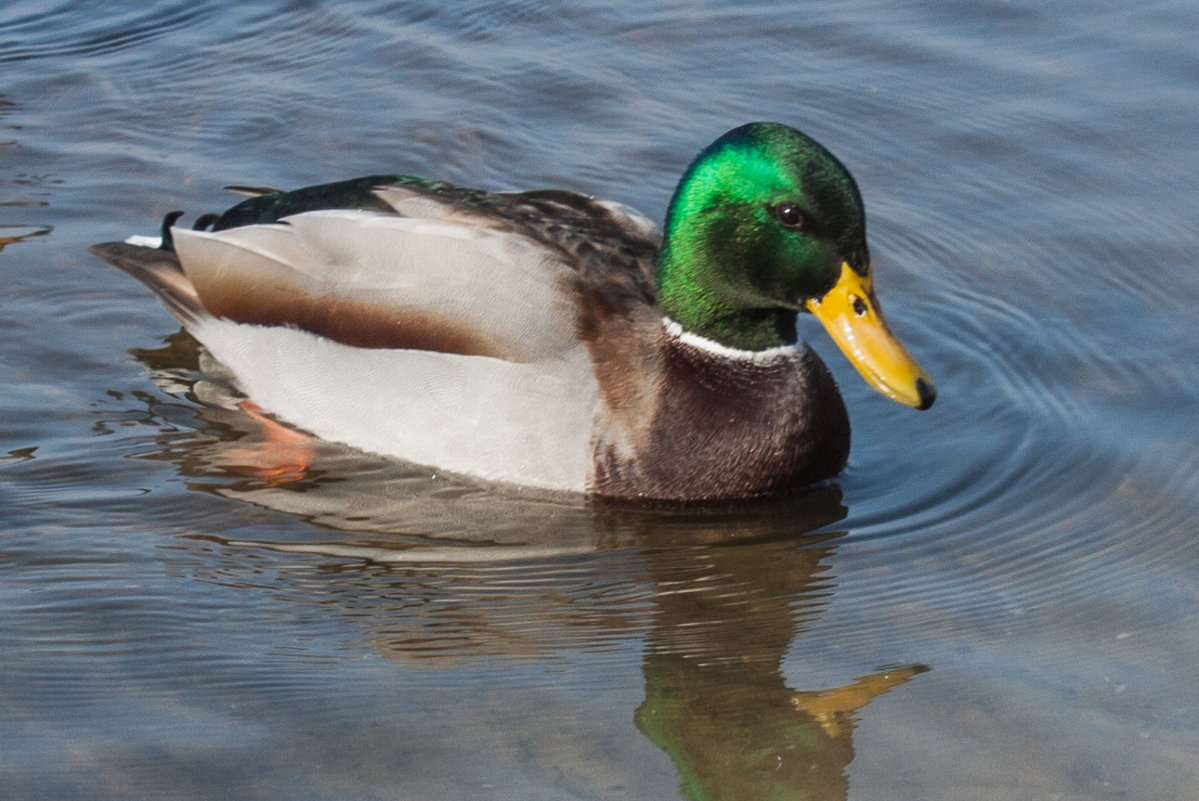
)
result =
(546, 338)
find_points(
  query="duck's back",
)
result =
(397, 262)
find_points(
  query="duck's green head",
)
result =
(765, 224)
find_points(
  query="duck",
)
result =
(545, 338)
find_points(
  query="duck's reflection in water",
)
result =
(716, 699)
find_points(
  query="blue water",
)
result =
(999, 599)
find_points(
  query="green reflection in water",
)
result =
(716, 700)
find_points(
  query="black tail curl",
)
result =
(168, 242)
(202, 223)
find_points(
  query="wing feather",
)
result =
(380, 280)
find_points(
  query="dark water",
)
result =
(999, 599)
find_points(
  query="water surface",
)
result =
(999, 599)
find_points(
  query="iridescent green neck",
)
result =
(698, 289)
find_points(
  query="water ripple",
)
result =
(69, 31)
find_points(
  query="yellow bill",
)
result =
(853, 319)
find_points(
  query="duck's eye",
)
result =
(789, 215)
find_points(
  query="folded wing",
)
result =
(378, 280)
